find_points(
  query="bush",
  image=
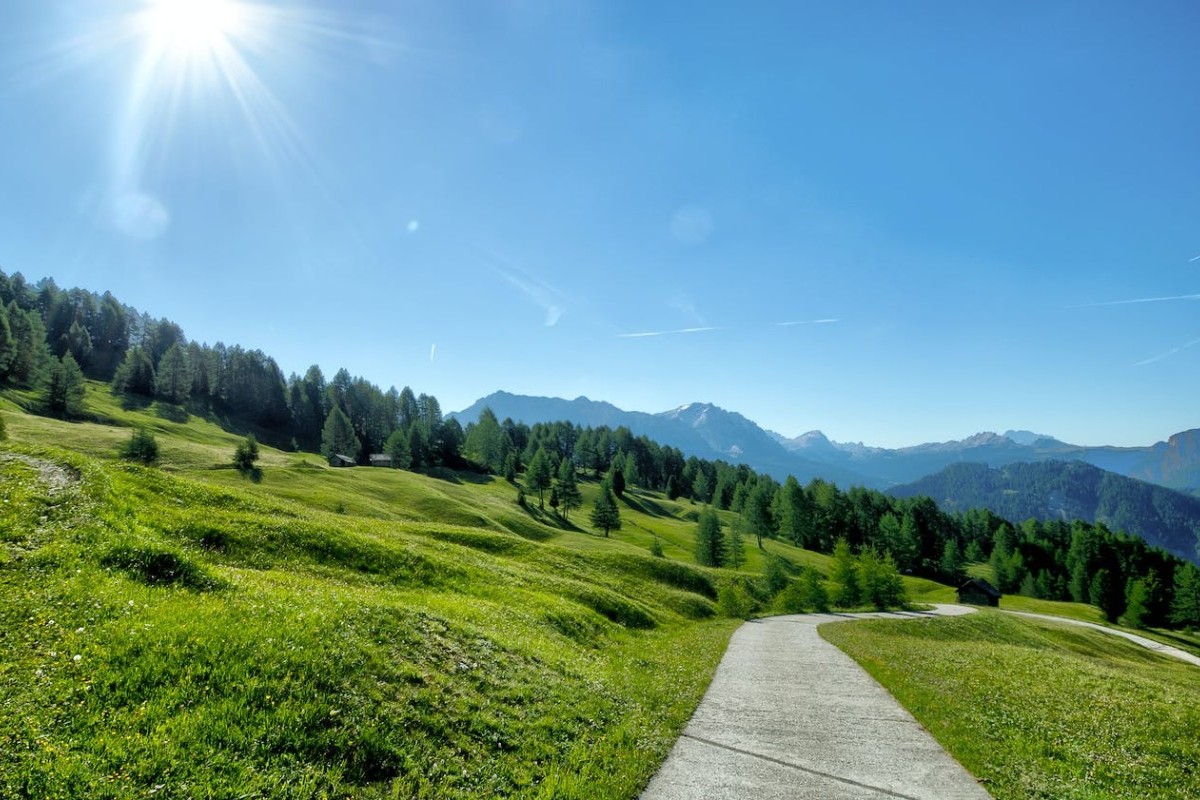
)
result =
(141, 447)
(734, 601)
(246, 455)
(3, 430)
(656, 548)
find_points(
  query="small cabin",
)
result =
(339, 460)
(381, 460)
(978, 592)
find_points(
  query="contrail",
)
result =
(807, 322)
(1193, 258)
(1141, 300)
(645, 334)
(1169, 353)
(432, 351)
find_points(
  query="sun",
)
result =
(190, 29)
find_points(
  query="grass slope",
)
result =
(182, 631)
(1039, 710)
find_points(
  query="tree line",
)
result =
(53, 338)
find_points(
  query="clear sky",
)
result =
(895, 222)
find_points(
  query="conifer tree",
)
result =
(605, 514)
(845, 575)
(710, 544)
(569, 496)
(538, 476)
(1185, 609)
(397, 447)
(338, 437)
(62, 394)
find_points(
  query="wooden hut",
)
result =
(978, 592)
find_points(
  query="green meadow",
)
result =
(185, 631)
(182, 631)
(1041, 710)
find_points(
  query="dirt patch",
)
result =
(56, 477)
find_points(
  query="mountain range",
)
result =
(708, 431)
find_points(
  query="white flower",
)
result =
(77, 658)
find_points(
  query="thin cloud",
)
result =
(432, 352)
(1169, 353)
(542, 294)
(646, 334)
(1141, 300)
(807, 322)
(1193, 258)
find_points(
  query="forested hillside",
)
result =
(51, 338)
(1058, 490)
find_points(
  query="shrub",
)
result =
(246, 455)
(141, 447)
(734, 601)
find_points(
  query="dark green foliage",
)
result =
(141, 446)
(1185, 609)
(3, 429)
(879, 580)
(710, 544)
(539, 475)
(569, 496)
(338, 437)
(1107, 595)
(245, 456)
(775, 576)
(173, 379)
(397, 447)
(735, 546)
(485, 442)
(656, 548)
(813, 594)
(135, 375)
(62, 392)
(616, 479)
(605, 514)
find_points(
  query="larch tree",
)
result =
(338, 437)
(710, 543)
(605, 514)
(569, 496)
(539, 475)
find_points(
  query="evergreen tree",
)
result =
(1185, 609)
(1137, 604)
(735, 547)
(245, 456)
(397, 447)
(569, 496)
(710, 544)
(338, 437)
(757, 512)
(8, 345)
(538, 476)
(173, 381)
(1107, 594)
(605, 514)
(812, 591)
(135, 375)
(616, 477)
(510, 467)
(701, 490)
(62, 393)
(845, 575)
(952, 564)
(484, 442)
(141, 447)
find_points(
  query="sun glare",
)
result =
(192, 28)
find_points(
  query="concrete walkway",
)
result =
(1149, 644)
(788, 715)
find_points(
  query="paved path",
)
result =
(788, 715)
(1150, 644)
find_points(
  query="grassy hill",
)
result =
(183, 631)
(1039, 709)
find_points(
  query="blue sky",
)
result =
(895, 222)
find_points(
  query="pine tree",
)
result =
(173, 381)
(735, 547)
(338, 437)
(569, 496)
(62, 393)
(1137, 602)
(605, 514)
(141, 447)
(812, 591)
(845, 575)
(246, 456)
(538, 476)
(135, 375)
(710, 544)
(1185, 609)
(952, 564)
(396, 446)
(1107, 595)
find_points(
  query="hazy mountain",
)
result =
(1067, 490)
(707, 431)
(700, 429)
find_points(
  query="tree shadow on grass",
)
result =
(644, 505)
(171, 412)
